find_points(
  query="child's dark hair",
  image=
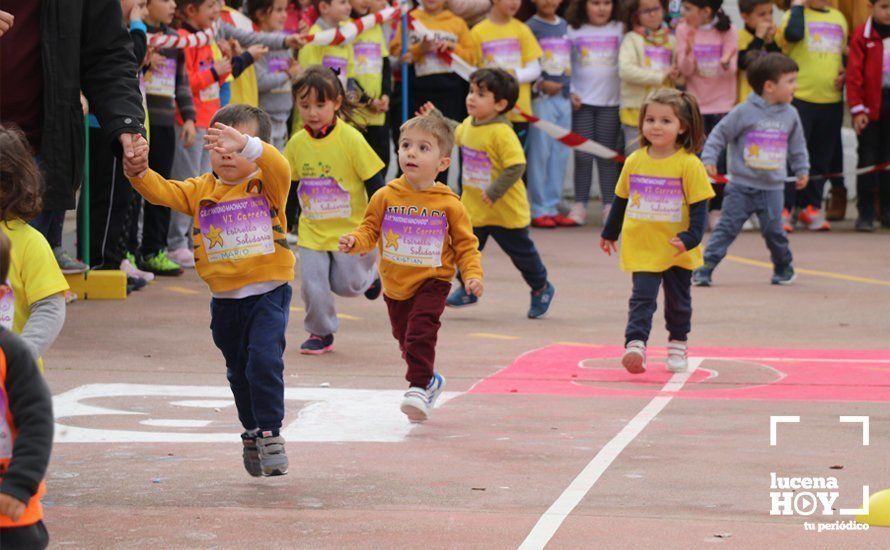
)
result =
(686, 108)
(747, 6)
(500, 83)
(255, 7)
(765, 67)
(716, 7)
(629, 9)
(21, 186)
(238, 114)
(5, 254)
(328, 87)
(576, 13)
(181, 5)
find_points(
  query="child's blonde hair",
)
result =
(436, 126)
(21, 187)
(686, 108)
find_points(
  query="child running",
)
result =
(26, 435)
(493, 192)
(242, 254)
(34, 307)
(764, 135)
(661, 208)
(426, 234)
(337, 173)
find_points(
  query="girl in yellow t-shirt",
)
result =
(661, 208)
(35, 309)
(337, 173)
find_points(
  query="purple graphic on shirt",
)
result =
(505, 53)
(278, 64)
(324, 199)
(7, 310)
(659, 58)
(824, 37)
(557, 60)
(597, 51)
(655, 199)
(766, 149)
(411, 239)
(237, 229)
(337, 63)
(476, 168)
(161, 79)
(368, 59)
(707, 58)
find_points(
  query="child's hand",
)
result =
(137, 165)
(762, 29)
(156, 60)
(406, 57)
(426, 109)
(673, 74)
(678, 244)
(474, 287)
(223, 66)
(802, 181)
(11, 507)
(839, 81)
(297, 41)
(576, 102)
(346, 243)
(711, 170)
(860, 121)
(294, 70)
(727, 58)
(225, 140)
(188, 133)
(551, 88)
(444, 45)
(257, 51)
(608, 246)
(380, 105)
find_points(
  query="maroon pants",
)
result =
(415, 324)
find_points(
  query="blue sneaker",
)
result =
(316, 345)
(434, 389)
(541, 300)
(460, 298)
(783, 275)
(702, 275)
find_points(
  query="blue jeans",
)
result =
(547, 158)
(250, 334)
(739, 203)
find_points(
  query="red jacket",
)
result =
(204, 82)
(865, 71)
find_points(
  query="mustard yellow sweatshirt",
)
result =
(425, 235)
(239, 228)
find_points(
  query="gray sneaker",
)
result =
(251, 456)
(273, 459)
(67, 264)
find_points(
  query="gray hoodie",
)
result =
(763, 140)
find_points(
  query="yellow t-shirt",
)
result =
(33, 275)
(659, 193)
(819, 55)
(510, 46)
(368, 51)
(332, 173)
(485, 151)
(334, 57)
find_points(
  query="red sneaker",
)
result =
(545, 222)
(564, 221)
(814, 219)
(786, 221)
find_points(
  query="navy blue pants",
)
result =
(250, 334)
(517, 244)
(644, 301)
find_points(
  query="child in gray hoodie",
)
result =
(764, 135)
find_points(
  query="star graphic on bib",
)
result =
(754, 150)
(392, 239)
(304, 199)
(214, 235)
(817, 37)
(635, 199)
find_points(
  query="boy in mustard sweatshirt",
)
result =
(426, 234)
(241, 253)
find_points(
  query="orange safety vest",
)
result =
(34, 510)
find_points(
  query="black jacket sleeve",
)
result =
(756, 45)
(241, 62)
(31, 406)
(140, 44)
(374, 183)
(698, 220)
(612, 227)
(108, 71)
(387, 77)
(794, 31)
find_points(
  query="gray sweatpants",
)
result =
(739, 203)
(187, 163)
(323, 274)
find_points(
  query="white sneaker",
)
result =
(676, 359)
(133, 271)
(634, 358)
(435, 389)
(415, 404)
(578, 213)
(183, 256)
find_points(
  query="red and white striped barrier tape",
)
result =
(178, 41)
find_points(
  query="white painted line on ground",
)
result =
(175, 423)
(552, 519)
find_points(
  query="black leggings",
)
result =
(31, 537)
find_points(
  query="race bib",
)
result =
(280, 65)
(707, 59)
(655, 199)
(161, 79)
(323, 199)
(235, 230)
(766, 149)
(410, 239)
(557, 60)
(368, 58)
(210, 93)
(7, 309)
(431, 63)
(476, 171)
(506, 54)
(825, 37)
(337, 63)
(657, 58)
(597, 51)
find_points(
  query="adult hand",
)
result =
(11, 507)
(6, 20)
(860, 121)
(129, 142)
(137, 165)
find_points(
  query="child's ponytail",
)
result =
(723, 23)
